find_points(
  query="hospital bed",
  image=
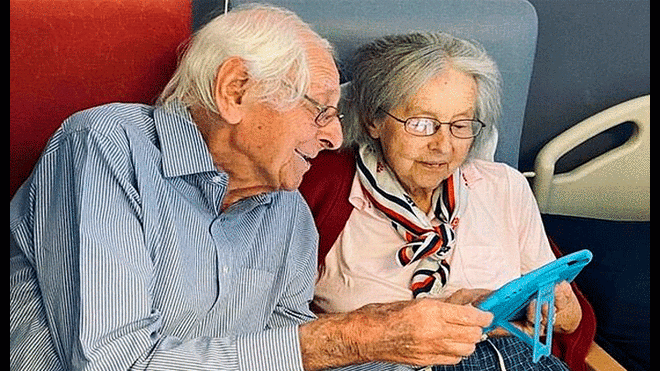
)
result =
(603, 204)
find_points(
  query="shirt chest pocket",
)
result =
(481, 266)
(245, 302)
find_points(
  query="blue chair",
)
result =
(506, 28)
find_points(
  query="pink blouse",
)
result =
(499, 237)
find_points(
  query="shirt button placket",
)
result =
(223, 251)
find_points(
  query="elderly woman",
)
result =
(427, 217)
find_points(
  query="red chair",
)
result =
(69, 55)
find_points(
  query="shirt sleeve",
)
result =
(78, 223)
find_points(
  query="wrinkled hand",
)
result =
(418, 332)
(428, 331)
(568, 313)
(425, 331)
(474, 297)
(468, 296)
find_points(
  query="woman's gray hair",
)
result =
(389, 71)
(272, 41)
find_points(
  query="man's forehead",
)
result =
(325, 81)
(324, 73)
(325, 89)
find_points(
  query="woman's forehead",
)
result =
(449, 93)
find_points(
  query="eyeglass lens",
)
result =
(463, 129)
(326, 113)
(326, 116)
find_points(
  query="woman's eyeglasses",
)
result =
(426, 126)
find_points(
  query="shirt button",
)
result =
(225, 269)
(217, 179)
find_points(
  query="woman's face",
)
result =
(422, 163)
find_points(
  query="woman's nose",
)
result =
(442, 139)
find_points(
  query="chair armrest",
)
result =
(598, 360)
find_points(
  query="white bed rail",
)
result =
(612, 186)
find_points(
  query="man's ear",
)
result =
(230, 86)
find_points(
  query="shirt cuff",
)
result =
(276, 349)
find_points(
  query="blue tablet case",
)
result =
(510, 301)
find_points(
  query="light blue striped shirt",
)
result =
(127, 260)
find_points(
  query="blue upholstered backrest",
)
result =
(506, 28)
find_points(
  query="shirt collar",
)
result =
(182, 146)
(184, 151)
(359, 200)
(357, 197)
(470, 173)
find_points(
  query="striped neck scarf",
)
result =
(426, 244)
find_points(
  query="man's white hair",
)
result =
(270, 40)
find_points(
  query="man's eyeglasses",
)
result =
(426, 126)
(326, 113)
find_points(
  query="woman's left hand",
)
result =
(568, 313)
(567, 309)
(468, 296)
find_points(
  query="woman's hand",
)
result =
(468, 296)
(568, 312)
(567, 309)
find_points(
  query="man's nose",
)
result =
(331, 135)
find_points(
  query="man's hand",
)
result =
(418, 332)
(474, 297)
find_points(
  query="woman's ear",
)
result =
(230, 86)
(374, 129)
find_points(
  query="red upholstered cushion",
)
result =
(326, 187)
(69, 55)
(573, 348)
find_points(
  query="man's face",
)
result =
(279, 144)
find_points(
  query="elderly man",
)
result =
(173, 237)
